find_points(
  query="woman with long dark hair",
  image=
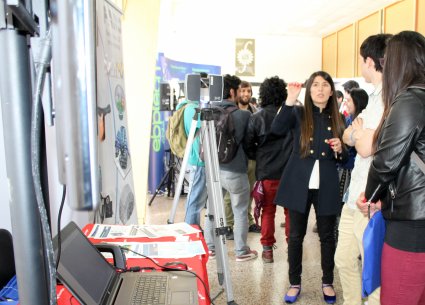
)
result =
(395, 178)
(310, 177)
(357, 100)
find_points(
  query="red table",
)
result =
(196, 264)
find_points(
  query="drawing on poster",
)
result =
(126, 207)
(120, 101)
(122, 155)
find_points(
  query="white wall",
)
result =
(139, 35)
(192, 35)
(291, 58)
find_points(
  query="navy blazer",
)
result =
(293, 187)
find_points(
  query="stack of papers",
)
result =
(134, 231)
(180, 248)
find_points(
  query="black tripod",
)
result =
(168, 179)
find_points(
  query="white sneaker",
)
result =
(251, 254)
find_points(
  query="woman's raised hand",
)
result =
(294, 90)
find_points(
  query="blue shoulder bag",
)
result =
(373, 241)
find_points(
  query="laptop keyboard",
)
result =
(150, 290)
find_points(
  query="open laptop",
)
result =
(93, 280)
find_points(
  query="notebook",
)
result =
(92, 280)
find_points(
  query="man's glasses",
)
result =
(382, 61)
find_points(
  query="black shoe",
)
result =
(254, 228)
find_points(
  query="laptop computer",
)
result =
(92, 280)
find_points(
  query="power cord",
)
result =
(42, 64)
(169, 268)
(58, 255)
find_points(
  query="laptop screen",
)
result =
(81, 267)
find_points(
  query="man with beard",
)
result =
(243, 102)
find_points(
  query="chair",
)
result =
(7, 260)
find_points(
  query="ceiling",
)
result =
(266, 17)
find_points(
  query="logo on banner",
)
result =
(245, 57)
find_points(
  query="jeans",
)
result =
(197, 197)
(325, 226)
(238, 187)
(402, 277)
(268, 213)
(228, 206)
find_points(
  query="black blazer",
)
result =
(293, 187)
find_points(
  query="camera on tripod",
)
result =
(204, 89)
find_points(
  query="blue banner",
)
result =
(166, 69)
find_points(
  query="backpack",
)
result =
(227, 145)
(175, 133)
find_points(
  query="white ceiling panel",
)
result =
(265, 17)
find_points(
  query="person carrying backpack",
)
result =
(234, 177)
(197, 196)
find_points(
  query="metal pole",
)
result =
(16, 97)
(178, 188)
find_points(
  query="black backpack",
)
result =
(227, 145)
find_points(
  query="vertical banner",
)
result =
(166, 70)
(245, 57)
(116, 183)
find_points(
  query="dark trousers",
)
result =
(325, 227)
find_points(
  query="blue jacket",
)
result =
(293, 187)
(189, 112)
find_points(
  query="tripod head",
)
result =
(206, 114)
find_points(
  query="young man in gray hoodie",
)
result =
(234, 177)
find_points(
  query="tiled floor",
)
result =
(254, 282)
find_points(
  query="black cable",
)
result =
(42, 64)
(166, 268)
(58, 255)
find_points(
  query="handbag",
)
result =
(373, 242)
(258, 195)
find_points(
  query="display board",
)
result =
(167, 70)
(116, 177)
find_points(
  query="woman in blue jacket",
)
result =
(311, 176)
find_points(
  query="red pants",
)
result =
(268, 214)
(402, 277)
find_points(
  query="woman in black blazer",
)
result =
(311, 176)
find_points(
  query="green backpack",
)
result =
(175, 133)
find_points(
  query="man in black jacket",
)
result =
(271, 154)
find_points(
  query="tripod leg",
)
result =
(161, 184)
(216, 207)
(170, 180)
(178, 188)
